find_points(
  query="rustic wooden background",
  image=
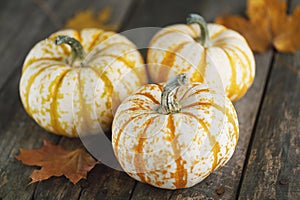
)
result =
(266, 164)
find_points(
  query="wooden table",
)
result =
(266, 163)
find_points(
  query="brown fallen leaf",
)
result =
(57, 161)
(268, 24)
(88, 19)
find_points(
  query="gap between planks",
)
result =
(248, 152)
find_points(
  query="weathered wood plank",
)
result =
(14, 176)
(9, 98)
(273, 170)
(28, 25)
(18, 130)
(106, 183)
(161, 13)
(23, 23)
(3, 5)
(293, 5)
(103, 182)
(60, 187)
(273, 163)
(20, 31)
(10, 23)
(228, 177)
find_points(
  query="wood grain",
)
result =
(229, 176)
(23, 23)
(106, 183)
(17, 129)
(18, 32)
(159, 13)
(268, 169)
(274, 164)
(14, 176)
(101, 177)
(59, 187)
(167, 12)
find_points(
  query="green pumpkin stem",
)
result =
(168, 103)
(77, 49)
(195, 18)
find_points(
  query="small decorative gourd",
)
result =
(72, 80)
(204, 52)
(174, 136)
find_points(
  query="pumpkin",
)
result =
(203, 51)
(72, 80)
(174, 136)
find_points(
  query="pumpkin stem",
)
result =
(195, 18)
(77, 49)
(168, 103)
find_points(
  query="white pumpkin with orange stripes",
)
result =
(201, 50)
(72, 80)
(174, 137)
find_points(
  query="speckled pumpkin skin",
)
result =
(175, 150)
(227, 52)
(64, 99)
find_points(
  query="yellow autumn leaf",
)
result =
(89, 19)
(268, 24)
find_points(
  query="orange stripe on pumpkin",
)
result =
(83, 112)
(216, 149)
(168, 61)
(242, 87)
(212, 140)
(185, 93)
(108, 87)
(77, 36)
(30, 83)
(104, 93)
(220, 42)
(138, 158)
(234, 124)
(216, 34)
(149, 96)
(128, 63)
(166, 31)
(181, 172)
(34, 60)
(102, 50)
(198, 75)
(195, 34)
(206, 104)
(247, 70)
(197, 92)
(67, 51)
(233, 84)
(95, 39)
(200, 121)
(54, 116)
(104, 36)
(120, 130)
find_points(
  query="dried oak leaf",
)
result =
(268, 24)
(88, 19)
(57, 161)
